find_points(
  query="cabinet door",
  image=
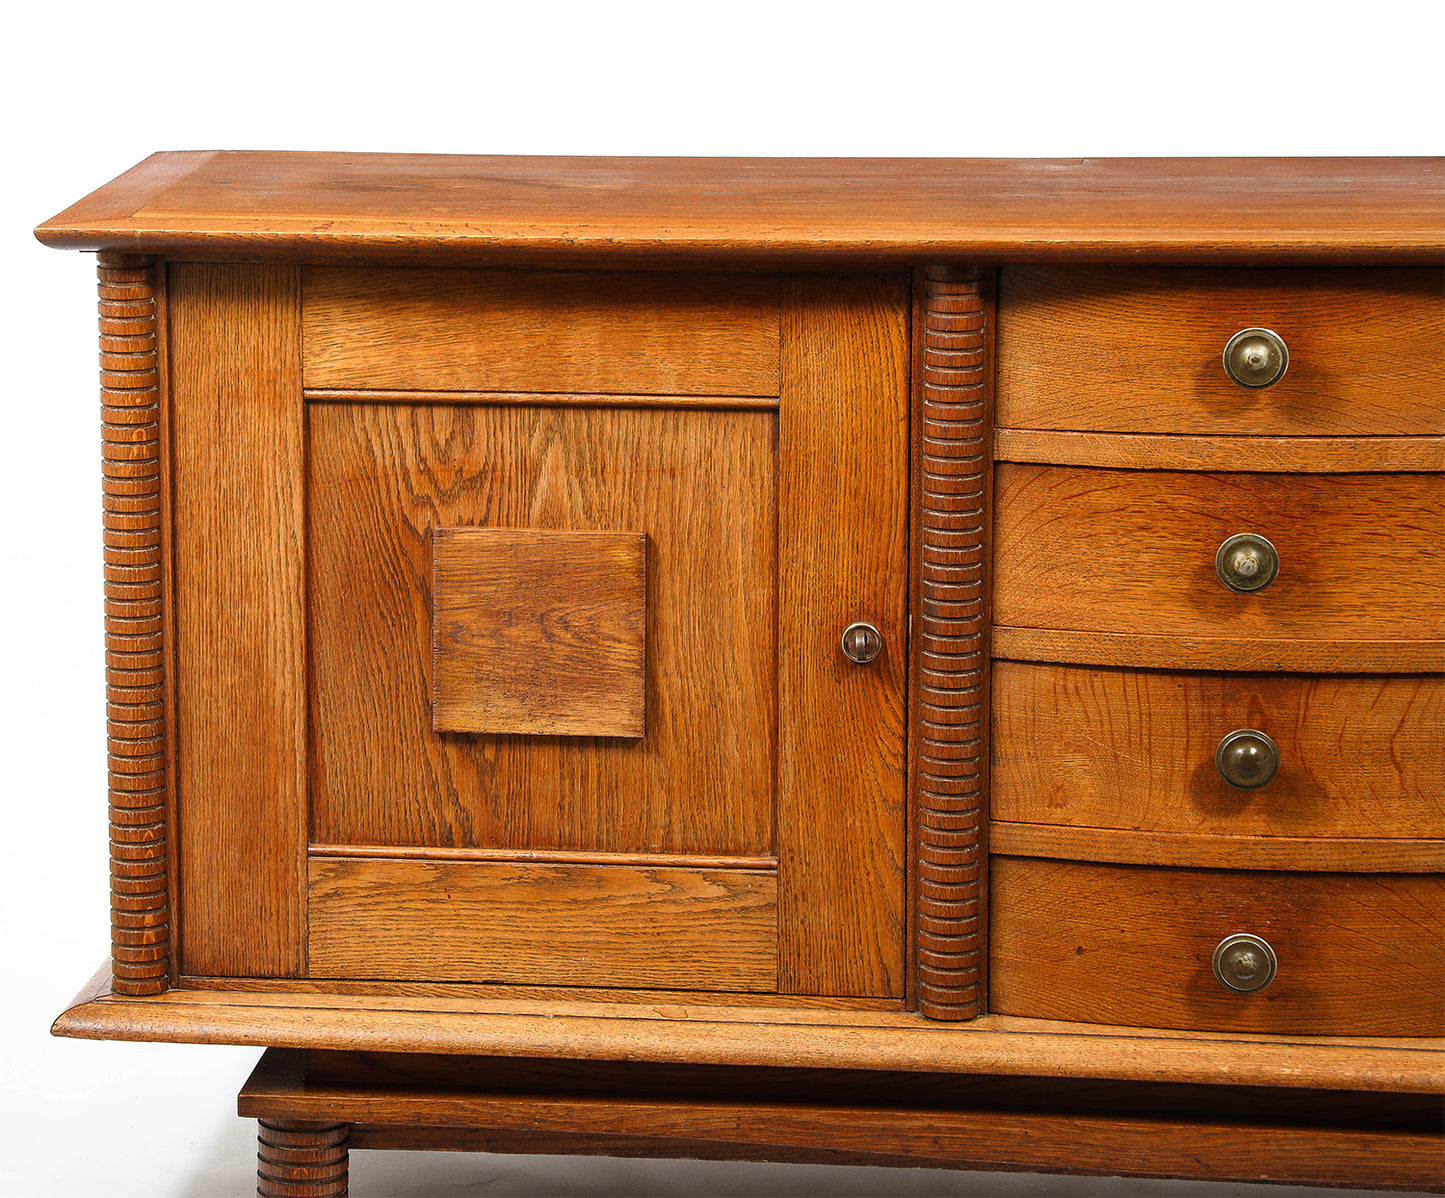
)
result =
(579, 550)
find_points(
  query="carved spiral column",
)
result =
(301, 1160)
(134, 639)
(952, 640)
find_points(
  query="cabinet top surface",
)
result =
(781, 210)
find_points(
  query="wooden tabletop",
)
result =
(766, 210)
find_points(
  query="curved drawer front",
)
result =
(1142, 350)
(1139, 750)
(1356, 955)
(1360, 556)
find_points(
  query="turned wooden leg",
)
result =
(301, 1160)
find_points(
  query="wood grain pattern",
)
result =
(1119, 349)
(661, 210)
(950, 678)
(555, 856)
(299, 1158)
(239, 569)
(1164, 451)
(1358, 955)
(135, 665)
(1344, 1159)
(1125, 551)
(699, 484)
(535, 399)
(497, 330)
(539, 632)
(1147, 650)
(1343, 854)
(754, 1036)
(1360, 756)
(842, 545)
(853, 1117)
(604, 925)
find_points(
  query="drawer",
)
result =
(1360, 556)
(1141, 350)
(545, 332)
(1139, 751)
(1357, 955)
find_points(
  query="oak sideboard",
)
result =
(880, 661)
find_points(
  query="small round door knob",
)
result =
(1256, 358)
(1244, 963)
(1247, 759)
(1246, 562)
(862, 643)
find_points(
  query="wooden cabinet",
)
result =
(775, 648)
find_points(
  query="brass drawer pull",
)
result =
(1244, 963)
(1256, 358)
(862, 643)
(1247, 758)
(1246, 562)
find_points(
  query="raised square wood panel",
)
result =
(542, 331)
(559, 924)
(538, 632)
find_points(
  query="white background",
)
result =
(92, 89)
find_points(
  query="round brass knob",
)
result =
(1246, 562)
(1247, 758)
(862, 643)
(1244, 963)
(1256, 358)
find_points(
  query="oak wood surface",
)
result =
(490, 330)
(239, 526)
(1125, 551)
(553, 856)
(286, 1069)
(755, 1036)
(950, 705)
(137, 666)
(603, 925)
(856, 1120)
(1346, 854)
(1217, 652)
(1140, 350)
(731, 209)
(842, 546)
(1358, 955)
(538, 632)
(1360, 755)
(1414, 1160)
(698, 483)
(1165, 451)
(537, 399)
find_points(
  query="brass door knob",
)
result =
(1256, 358)
(1244, 963)
(1246, 562)
(862, 643)
(1247, 758)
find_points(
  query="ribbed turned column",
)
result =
(952, 638)
(134, 640)
(301, 1160)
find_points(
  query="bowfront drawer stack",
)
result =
(1217, 789)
